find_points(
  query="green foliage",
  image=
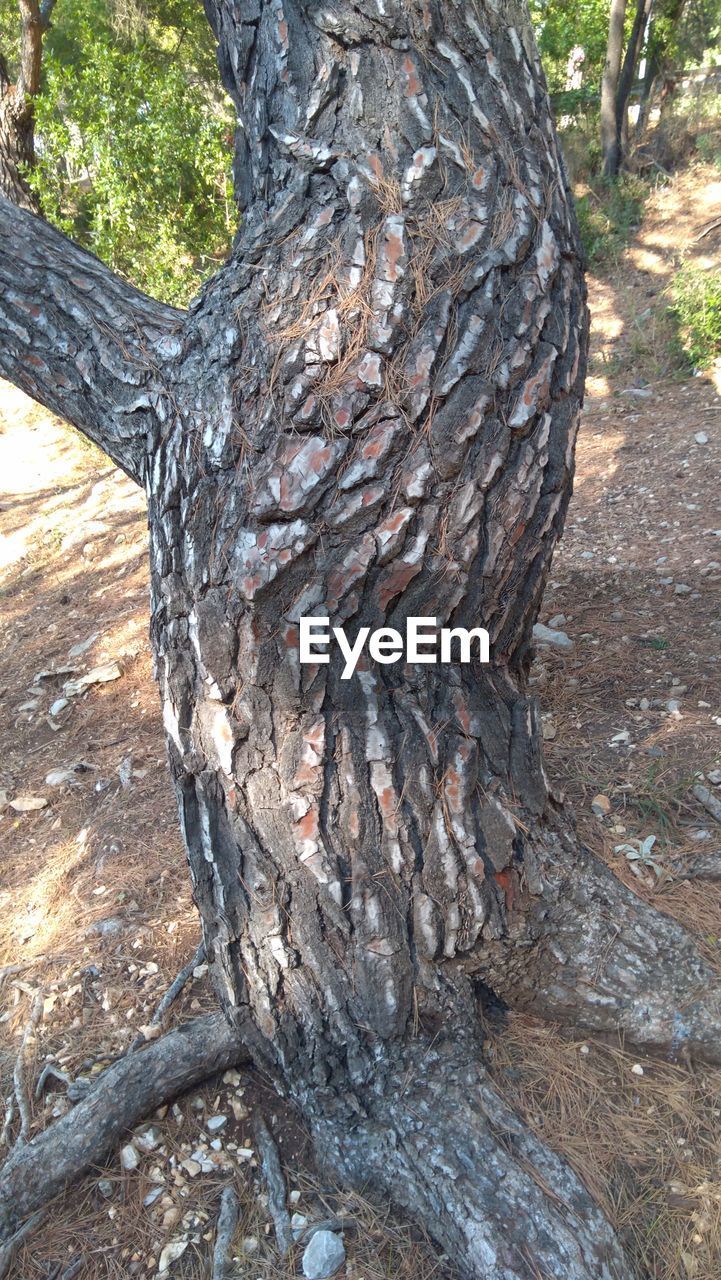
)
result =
(608, 213)
(696, 308)
(134, 141)
(560, 26)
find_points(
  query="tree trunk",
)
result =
(369, 414)
(609, 88)
(664, 23)
(17, 112)
(626, 78)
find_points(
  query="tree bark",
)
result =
(83, 342)
(370, 414)
(609, 88)
(17, 113)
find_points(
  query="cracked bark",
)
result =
(370, 413)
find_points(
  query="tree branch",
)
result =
(79, 340)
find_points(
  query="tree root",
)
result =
(122, 1097)
(588, 952)
(227, 1223)
(437, 1137)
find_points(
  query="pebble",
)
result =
(681, 589)
(714, 776)
(323, 1255)
(216, 1122)
(171, 1253)
(129, 1158)
(557, 621)
(701, 437)
(546, 635)
(601, 805)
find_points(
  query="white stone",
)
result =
(323, 1255)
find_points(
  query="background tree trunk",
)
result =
(626, 78)
(370, 414)
(609, 88)
(17, 115)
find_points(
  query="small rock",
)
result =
(249, 1245)
(546, 635)
(105, 928)
(323, 1255)
(57, 777)
(28, 804)
(701, 437)
(148, 1140)
(58, 705)
(171, 1253)
(216, 1122)
(298, 1224)
(557, 621)
(714, 776)
(105, 1187)
(99, 675)
(601, 805)
(83, 645)
(644, 704)
(672, 706)
(129, 1158)
(637, 1069)
(681, 589)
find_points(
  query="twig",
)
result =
(709, 802)
(51, 1070)
(172, 993)
(227, 1223)
(11, 1246)
(707, 230)
(275, 1182)
(19, 1081)
(702, 866)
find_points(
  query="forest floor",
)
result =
(94, 897)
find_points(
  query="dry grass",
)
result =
(648, 1146)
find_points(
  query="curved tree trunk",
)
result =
(369, 414)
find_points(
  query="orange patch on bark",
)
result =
(396, 582)
(413, 86)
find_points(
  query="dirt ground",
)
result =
(95, 900)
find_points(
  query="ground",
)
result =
(94, 893)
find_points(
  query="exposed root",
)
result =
(275, 1182)
(589, 953)
(227, 1223)
(19, 1080)
(123, 1095)
(438, 1139)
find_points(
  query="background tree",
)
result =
(370, 412)
(21, 44)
